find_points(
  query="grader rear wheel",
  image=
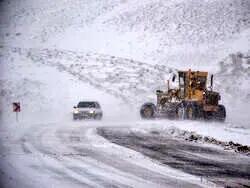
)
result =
(191, 111)
(148, 112)
(220, 115)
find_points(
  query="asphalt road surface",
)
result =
(224, 168)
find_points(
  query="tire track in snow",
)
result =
(101, 164)
(61, 160)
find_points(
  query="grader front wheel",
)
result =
(148, 111)
(181, 112)
(220, 115)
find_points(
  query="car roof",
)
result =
(88, 102)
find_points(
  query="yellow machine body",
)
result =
(192, 98)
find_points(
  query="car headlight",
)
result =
(76, 111)
(91, 111)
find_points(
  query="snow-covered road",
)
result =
(74, 155)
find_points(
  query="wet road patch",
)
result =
(224, 168)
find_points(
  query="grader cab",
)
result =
(192, 99)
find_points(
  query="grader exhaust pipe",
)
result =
(212, 82)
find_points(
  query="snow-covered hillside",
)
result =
(127, 48)
(47, 93)
(40, 20)
(179, 33)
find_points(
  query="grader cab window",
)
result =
(181, 81)
(201, 83)
(182, 84)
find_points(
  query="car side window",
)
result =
(78, 105)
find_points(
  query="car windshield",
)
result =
(88, 105)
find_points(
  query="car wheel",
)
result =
(75, 118)
(98, 117)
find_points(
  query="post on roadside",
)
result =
(16, 108)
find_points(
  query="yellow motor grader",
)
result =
(192, 99)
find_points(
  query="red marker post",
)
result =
(16, 108)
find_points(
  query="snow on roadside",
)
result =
(220, 131)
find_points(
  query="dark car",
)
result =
(87, 110)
